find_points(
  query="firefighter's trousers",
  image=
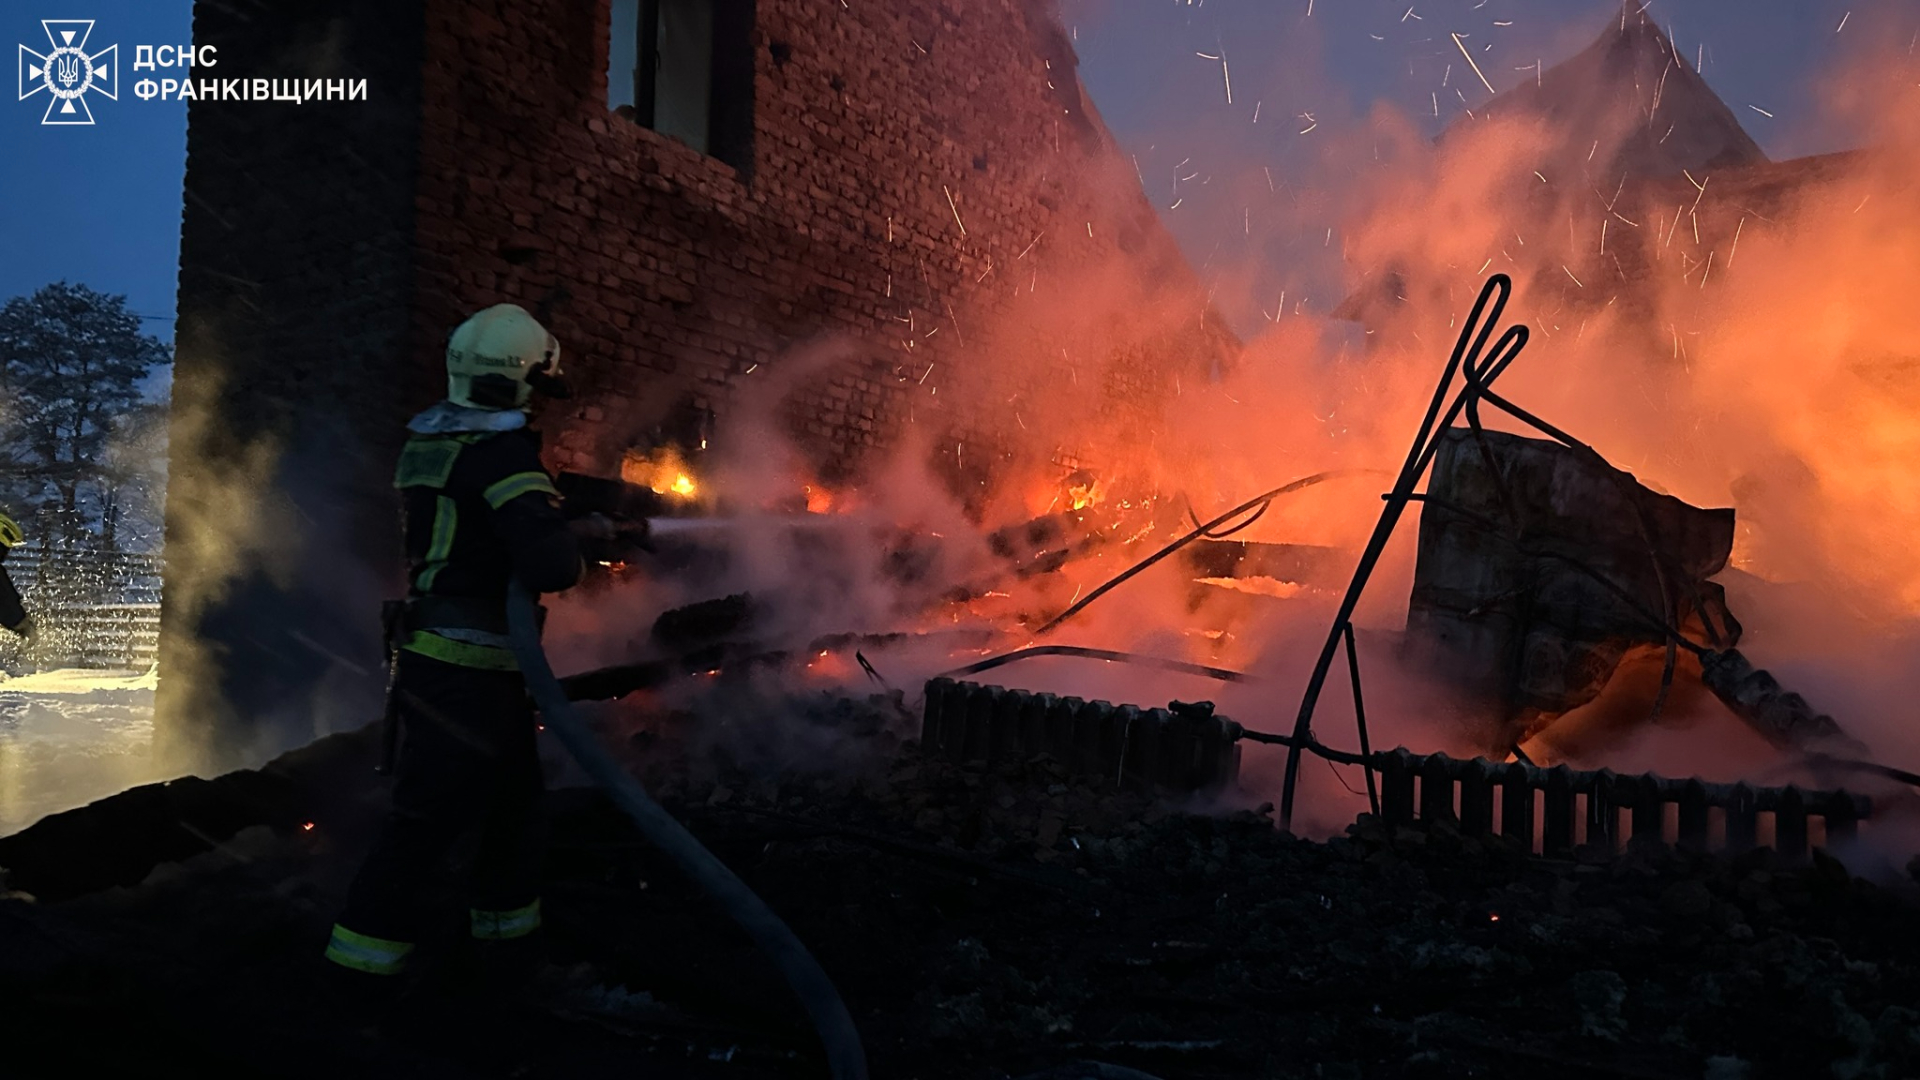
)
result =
(468, 762)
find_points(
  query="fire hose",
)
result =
(846, 1058)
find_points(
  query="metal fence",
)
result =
(95, 608)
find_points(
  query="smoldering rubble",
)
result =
(980, 922)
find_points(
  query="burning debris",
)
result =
(1541, 565)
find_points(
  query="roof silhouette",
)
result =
(1628, 106)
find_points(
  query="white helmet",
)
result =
(495, 359)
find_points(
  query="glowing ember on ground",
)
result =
(1258, 586)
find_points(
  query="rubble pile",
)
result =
(1541, 566)
(980, 923)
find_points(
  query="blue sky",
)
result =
(95, 205)
(101, 205)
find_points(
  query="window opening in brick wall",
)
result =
(685, 69)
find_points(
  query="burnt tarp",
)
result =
(1539, 566)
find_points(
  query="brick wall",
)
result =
(934, 240)
(296, 263)
(928, 189)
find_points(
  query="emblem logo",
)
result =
(67, 73)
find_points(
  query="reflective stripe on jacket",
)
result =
(479, 509)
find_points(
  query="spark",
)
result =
(1436, 103)
(1843, 22)
(1256, 112)
(306, 826)
(1576, 280)
(1029, 247)
(1736, 242)
(1309, 9)
(1410, 15)
(1483, 266)
(955, 209)
(1761, 111)
(1709, 270)
(1176, 204)
(1863, 203)
(1543, 179)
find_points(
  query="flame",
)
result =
(830, 666)
(819, 499)
(1257, 586)
(663, 472)
(1083, 489)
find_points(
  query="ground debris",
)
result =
(987, 922)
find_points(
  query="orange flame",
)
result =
(663, 472)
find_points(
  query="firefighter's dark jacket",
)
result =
(479, 511)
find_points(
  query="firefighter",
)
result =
(479, 509)
(13, 615)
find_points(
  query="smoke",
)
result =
(221, 514)
(1733, 339)
(1734, 336)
